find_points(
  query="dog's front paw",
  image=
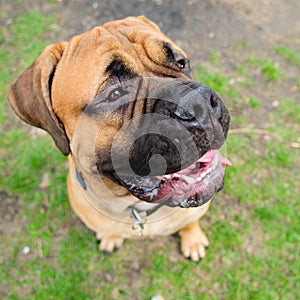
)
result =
(193, 242)
(110, 243)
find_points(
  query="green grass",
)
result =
(214, 57)
(253, 102)
(253, 225)
(269, 69)
(217, 81)
(291, 55)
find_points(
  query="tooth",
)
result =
(215, 161)
(203, 175)
(188, 179)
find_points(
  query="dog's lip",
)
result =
(192, 186)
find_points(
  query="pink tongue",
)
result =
(210, 155)
(206, 159)
(194, 179)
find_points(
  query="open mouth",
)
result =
(191, 187)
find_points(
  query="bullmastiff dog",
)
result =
(141, 136)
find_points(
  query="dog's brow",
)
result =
(118, 68)
(168, 50)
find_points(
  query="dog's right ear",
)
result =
(30, 96)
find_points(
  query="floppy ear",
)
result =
(30, 96)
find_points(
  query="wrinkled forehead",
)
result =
(142, 37)
(136, 42)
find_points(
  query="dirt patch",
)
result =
(197, 25)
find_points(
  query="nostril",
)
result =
(213, 101)
(215, 106)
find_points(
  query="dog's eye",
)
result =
(116, 94)
(181, 63)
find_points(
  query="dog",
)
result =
(141, 136)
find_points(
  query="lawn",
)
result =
(253, 224)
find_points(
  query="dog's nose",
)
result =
(199, 104)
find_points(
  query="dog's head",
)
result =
(121, 100)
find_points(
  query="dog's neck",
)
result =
(133, 210)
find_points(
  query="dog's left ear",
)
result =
(30, 96)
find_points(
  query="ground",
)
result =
(249, 52)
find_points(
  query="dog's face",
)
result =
(121, 99)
